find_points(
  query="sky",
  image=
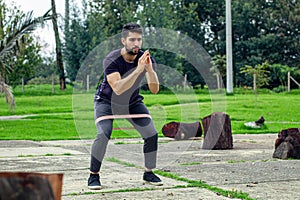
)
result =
(45, 35)
(39, 7)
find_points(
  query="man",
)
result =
(118, 97)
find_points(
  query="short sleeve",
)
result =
(110, 66)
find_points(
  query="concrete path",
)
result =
(248, 168)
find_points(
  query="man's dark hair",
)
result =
(131, 27)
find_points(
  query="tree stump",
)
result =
(287, 145)
(182, 131)
(217, 131)
(30, 186)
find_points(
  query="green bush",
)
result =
(43, 80)
(279, 89)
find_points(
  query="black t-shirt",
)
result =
(114, 62)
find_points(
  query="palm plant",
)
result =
(11, 35)
(219, 68)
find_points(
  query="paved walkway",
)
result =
(249, 168)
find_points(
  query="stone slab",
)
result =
(248, 167)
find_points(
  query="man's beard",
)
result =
(130, 51)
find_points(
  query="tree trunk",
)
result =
(287, 145)
(59, 60)
(67, 16)
(30, 186)
(182, 131)
(217, 131)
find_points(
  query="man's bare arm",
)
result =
(120, 85)
(152, 81)
(151, 75)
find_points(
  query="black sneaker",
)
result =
(94, 182)
(150, 177)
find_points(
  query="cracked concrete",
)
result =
(248, 167)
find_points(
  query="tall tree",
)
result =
(104, 19)
(280, 72)
(58, 48)
(219, 69)
(67, 16)
(260, 74)
(27, 59)
(266, 30)
(78, 41)
(263, 30)
(13, 27)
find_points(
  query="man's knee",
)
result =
(103, 136)
(104, 129)
(150, 144)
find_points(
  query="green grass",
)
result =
(236, 161)
(190, 163)
(42, 127)
(113, 191)
(41, 90)
(202, 184)
(115, 160)
(38, 105)
(64, 115)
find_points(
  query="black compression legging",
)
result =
(143, 125)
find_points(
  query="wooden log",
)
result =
(182, 131)
(287, 145)
(30, 186)
(217, 131)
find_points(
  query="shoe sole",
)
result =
(154, 183)
(96, 187)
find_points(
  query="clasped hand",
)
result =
(145, 62)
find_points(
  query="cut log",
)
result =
(287, 145)
(217, 131)
(182, 131)
(30, 186)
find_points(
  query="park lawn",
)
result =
(41, 127)
(67, 116)
(279, 110)
(38, 105)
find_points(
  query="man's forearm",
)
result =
(152, 81)
(126, 83)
